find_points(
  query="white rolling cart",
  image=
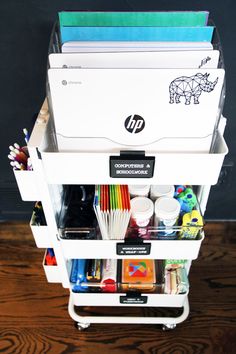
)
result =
(58, 162)
(53, 169)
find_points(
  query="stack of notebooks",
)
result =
(112, 208)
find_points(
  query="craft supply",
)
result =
(39, 217)
(19, 155)
(142, 210)
(179, 189)
(173, 282)
(174, 263)
(133, 18)
(74, 270)
(191, 225)
(81, 276)
(182, 280)
(166, 216)
(77, 212)
(138, 274)
(94, 269)
(187, 200)
(167, 287)
(137, 33)
(112, 208)
(50, 259)
(139, 190)
(158, 191)
(176, 281)
(109, 274)
(25, 131)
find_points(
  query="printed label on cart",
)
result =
(133, 300)
(124, 249)
(130, 167)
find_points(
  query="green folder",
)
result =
(170, 18)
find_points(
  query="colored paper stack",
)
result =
(168, 26)
(112, 208)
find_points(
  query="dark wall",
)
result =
(25, 27)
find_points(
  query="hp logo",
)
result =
(134, 124)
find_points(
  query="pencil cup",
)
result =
(52, 272)
(40, 233)
(26, 182)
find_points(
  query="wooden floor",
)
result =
(34, 317)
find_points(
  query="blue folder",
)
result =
(160, 34)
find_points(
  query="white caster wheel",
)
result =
(82, 326)
(168, 327)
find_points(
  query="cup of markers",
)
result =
(19, 156)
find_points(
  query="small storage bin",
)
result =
(86, 242)
(196, 168)
(40, 233)
(158, 249)
(132, 283)
(26, 182)
(51, 271)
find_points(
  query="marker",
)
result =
(17, 145)
(29, 164)
(11, 157)
(25, 131)
(24, 149)
(21, 166)
(20, 157)
(18, 149)
(12, 153)
(12, 148)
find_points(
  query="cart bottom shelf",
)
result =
(170, 322)
(123, 299)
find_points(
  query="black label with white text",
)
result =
(124, 249)
(129, 300)
(132, 167)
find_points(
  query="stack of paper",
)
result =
(112, 208)
(135, 26)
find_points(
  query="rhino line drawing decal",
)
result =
(204, 62)
(189, 87)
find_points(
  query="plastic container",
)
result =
(158, 191)
(142, 210)
(141, 190)
(138, 274)
(166, 215)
